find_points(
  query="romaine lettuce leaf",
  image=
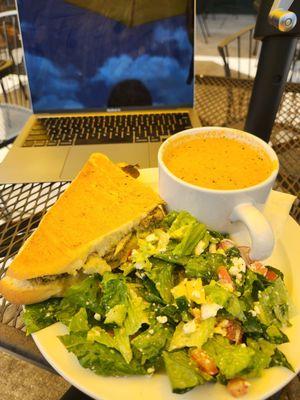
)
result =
(217, 236)
(73, 340)
(252, 326)
(150, 343)
(99, 335)
(275, 335)
(86, 294)
(205, 266)
(182, 373)
(119, 340)
(96, 357)
(261, 359)
(116, 315)
(137, 313)
(191, 289)
(215, 293)
(235, 307)
(79, 323)
(272, 305)
(66, 311)
(162, 276)
(233, 252)
(231, 359)
(181, 224)
(191, 238)
(192, 334)
(170, 311)
(140, 256)
(279, 359)
(123, 344)
(169, 219)
(169, 257)
(249, 289)
(40, 315)
(122, 305)
(149, 291)
(115, 292)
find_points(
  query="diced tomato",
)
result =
(238, 387)
(271, 275)
(225, 244)
(258, 268)
(234, 331)
(204, 361)
(224, 276)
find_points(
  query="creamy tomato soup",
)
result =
(218, 161)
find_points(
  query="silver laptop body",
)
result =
(42, 162)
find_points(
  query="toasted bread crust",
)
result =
(100, 207)
(22, 292)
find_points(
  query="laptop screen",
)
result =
(106, 54)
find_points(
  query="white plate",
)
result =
(285, 257)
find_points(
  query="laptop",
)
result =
(110, 77)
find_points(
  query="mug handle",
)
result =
(261, 234)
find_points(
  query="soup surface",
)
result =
(217, 162)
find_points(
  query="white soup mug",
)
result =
(221, 210)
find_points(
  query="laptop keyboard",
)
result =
(127, 128)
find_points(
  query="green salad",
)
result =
(185, 299)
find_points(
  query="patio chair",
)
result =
(201, 21)
(239, 53)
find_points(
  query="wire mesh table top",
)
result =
(219, 102)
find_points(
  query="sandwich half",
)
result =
(89, 229)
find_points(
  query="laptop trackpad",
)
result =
(132, 153)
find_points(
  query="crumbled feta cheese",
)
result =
(150, 370)
(151, 331)
(139, 266)
(189, 327)
(97, 316)
(243, 345)
(162, 319)
(48, 314)
(199, 248)
(238, 266)
(151, 238)
(209, 310)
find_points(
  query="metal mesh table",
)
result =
(220, 101)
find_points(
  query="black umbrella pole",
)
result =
(272, 72)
